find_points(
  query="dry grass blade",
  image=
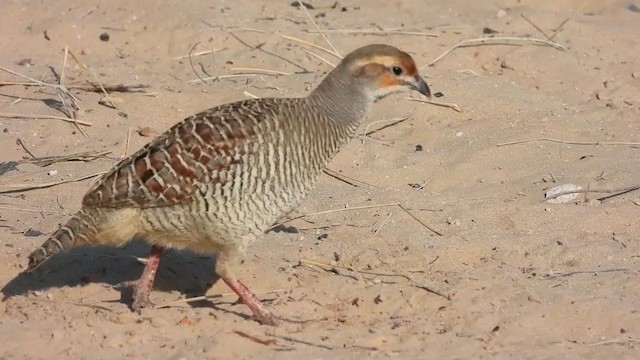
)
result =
(261, 71)
(36, 116)
(570, 142)
(92, 87)
(11, 188)
(215, 296)
(366, 207)
(318, 57)
(380, 32)
(392, 122)
(199, 53)
(437, 103)
(374, 273)
(601, 191)
(344, 178)
(15, 208)
(304, 8)
(515, 41)
(44, 161)
(311, 45)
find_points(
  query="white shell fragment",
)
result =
(562, 199)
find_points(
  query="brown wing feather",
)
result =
(203, 148)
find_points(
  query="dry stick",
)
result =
(381, 32)
(344, 178)
(214, 296)
(199, 53)
(126, 143)
(257, 71)
(557, 30)
(44, 161)
(222, 77)
(570, 273)
(536, 26)
(259, 48)
(193, 68)
(320, 31)
(375, 273)
(623, 143)
(365, 207)
(394, 122)
(517, 41)
(437, 103)
(318, 57)
(310, 44)
(24, 147)
(615, 341)
(19, 188)
(87, 87)
(36, 116)
(606, 191)
(13, 208)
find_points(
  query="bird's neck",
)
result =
(341, 102)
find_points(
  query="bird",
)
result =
(216, 181)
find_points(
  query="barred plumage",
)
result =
(217, 180)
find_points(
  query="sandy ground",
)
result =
(525, 279)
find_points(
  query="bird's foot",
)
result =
(142, 287)
(141, 290)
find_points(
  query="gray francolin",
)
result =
(216, 181)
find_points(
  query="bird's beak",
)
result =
(420, 85)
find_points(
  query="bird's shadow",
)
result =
(183, 271)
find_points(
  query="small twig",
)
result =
(87, 87)
(19, 188)
(261, 71)
(570, 273)
(393, 122)
(365, 207)
(311, 44)
(437, 103)
(209, 297)
(24, 147)
(248, 94)
(556, 31)
(259, 48)
(622, 143)
(199, 53)
(126, 143)
(36, 116)
(44, 161)
(381, 32)
(193, 68)
(375, 273)
(344, 178)
(616, 192)
(91, 306)
(515, 41)
(318, 57)
(255, 338)
(615, 341)
(318, 28)
(14, 208)
(536, 26)
(383, 223)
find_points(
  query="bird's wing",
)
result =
(202, 149)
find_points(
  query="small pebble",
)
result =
(501, 13)
(104, 36)
(52, 172)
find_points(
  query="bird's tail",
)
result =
(76, 232)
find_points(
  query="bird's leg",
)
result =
(261, 313)
(142, 287)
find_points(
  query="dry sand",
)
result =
(526, 279)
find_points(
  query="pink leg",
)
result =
(260, 312)
(142, 287)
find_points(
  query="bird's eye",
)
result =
(397, 70)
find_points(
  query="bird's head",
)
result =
(382, 70)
